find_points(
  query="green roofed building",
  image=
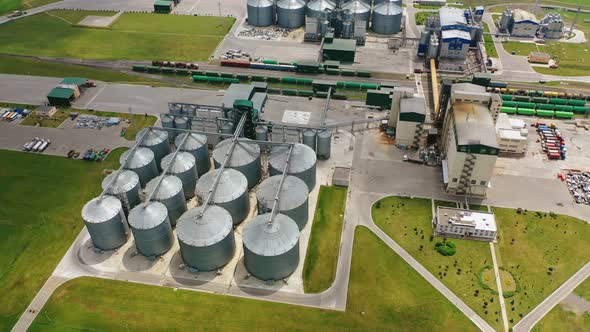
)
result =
(60, 96)
(79, 81)
(163, 7)
(342, 50)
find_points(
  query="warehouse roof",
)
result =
(540, 55)
(459, 34)
(474, 125)
(484, 221)
(74, 81)
(348, 45)
(62, 93)
(237, 91)
(451, 16)
(413, 105)
(520, 15)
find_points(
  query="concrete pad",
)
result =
(99, 21)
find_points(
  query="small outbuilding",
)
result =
(539, 57)
(61, 97)
(342, 50)
(46, 110)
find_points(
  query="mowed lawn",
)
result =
(322, 253)
(7, 6)
(408, 221)
(561, 319)
(541, 251)
(133, 36)
(573, 59)
(384, 294)
(42, 197)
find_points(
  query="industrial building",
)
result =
(469, 143)
(342, 50)
(465, 224)
(410, 121)
(551, 26)
(441, 3)
(512, 134)
(539, 57)
(519, 23)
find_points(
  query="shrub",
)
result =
(445, 248)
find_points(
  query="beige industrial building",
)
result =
(512, 134)
(525, 24)
(410, 122)
(468, 143)
(465, 224)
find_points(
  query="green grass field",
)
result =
(132, 36)
(138, 121)
(570, 3)
(523, 49)
(385, 293)
(584, 289)
(541, 252)
(561, 319)
(573, 59)
(489, 43)
(28, 66)
(319, 268)
(409, 222)
(7, 6)
(41, 199)
(421, 17)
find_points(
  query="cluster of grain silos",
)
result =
(205, 233)
(285, 13)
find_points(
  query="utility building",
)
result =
(410, 122)
(519, 23)
(469, 144)
(512, 134)
(465, 224)
(455, 44)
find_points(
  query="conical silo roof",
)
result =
(272, 239)
(302, 158)
(232, 184)
(153, 137)
(141, 157)
(148, 215)
(183, 162)
(100, 210)
(201, 231)
(169, 187)
(126, 180)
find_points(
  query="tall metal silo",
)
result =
(227, 128)
(387, 18)
(182, 122)
(291, 13)
(245, 158)
(324, 144)
(357, 10)
(206, 242)
(105, 222)
(271, 251)
(310, 137)
(157, 141)
(292, 198)
(126, 188)
(142, 162)
(302, 163)
(151, 229)
(168, 122)
(231, 193)
(196, 144)
(320, 8)
(260, 12)
(185, 168)
(261, 133)
(171, 194)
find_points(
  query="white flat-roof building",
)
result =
(469, 143)
(465, 224)
(512, 134)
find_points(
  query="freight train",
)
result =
(296, 67)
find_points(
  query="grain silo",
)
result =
(151, 229)
(292, 198)
(105, 222)
(261, 133)
(301, 164)
(357, 10)
(245, 158)
(168, 122)
(227, 128)
(324, 144)
(182, 122)
(310, 137)
(196, 144)
(206, 242)
(231, 192)
(320, 8)
(291, 13)
(185, 168)
(271, 250)
(171, 194)
(142, 162)
(387, 18)
(125, 187)
(157, 141)
(260, 12)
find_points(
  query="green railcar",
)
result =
(168, 70)
(212, 74)
(200, 78)
(558, 101)
(153, 69)
(321, 94)
(522, 98)
(508, 110)
(345, 72)
(564, 115)
(139, 68)
(258, 78)
(547, 107)
(273, 91)
(576, 102)
(525, 111)
(242, 77)
(521, 104)
(370, 86)
(305, 93)
(363, 73)
(182, 71)
(270, 62)
(228, 75)
(540, 100)
(289, 92)
(507, 97)
(290, 80)
(581, 109)
(564, 108)
(509, 104)
(545, 113)
(333, 71)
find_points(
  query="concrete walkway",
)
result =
(499, 287)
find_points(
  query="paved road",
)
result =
(499, 287)
(533, 317)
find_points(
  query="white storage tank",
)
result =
(185, 168)
(171, 194)
(302, 163)
(157, 141)
(105, 222)
(206, 242)
(292, 198)
(245, 158)
(126, 188)
(142, 162)
(196, 144)
(271, 250)
(151, 229)
(231, 193)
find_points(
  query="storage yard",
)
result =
(270, 131)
